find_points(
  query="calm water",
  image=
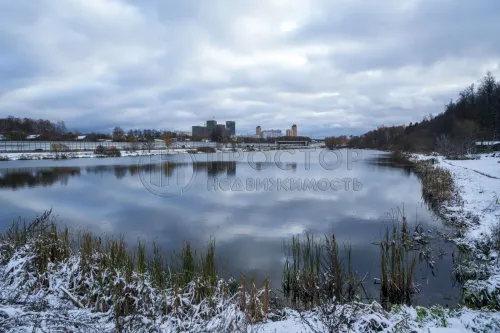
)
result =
(140, 198)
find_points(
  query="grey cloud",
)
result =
(348, 67)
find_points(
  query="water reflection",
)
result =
(16, 178)
(27, 177)
(249, 226)
(391, 161)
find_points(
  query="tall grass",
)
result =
(437, 184)
(317, 271)
(107, 275)
(398, 261)
(314, 272)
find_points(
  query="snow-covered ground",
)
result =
(478, 183)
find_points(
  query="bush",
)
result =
(113, 152)
(61, 156)
(107, 152)
(99, 150)
(4, 158)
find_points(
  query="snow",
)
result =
(284, 326)
(478, 182)
(486, 164)
(49, 310)
(50, 155)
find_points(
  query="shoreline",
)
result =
(34, 156)
(473, 211)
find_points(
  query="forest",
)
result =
(473, 116)
(14, 128)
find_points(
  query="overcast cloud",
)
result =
(331, 67)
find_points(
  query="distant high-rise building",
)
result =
(227, 130)
(211, 125)
(288, 132)
(273, 133)
(294, 130)
(258, 132)
(231, 127)
(199, 130)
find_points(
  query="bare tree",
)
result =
(118, 133)
(169, 139)
(148, 145)
(134, 146)
(444, 145)
(60, 128)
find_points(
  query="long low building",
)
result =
(291, 143)
(271, 133)
(488, 145)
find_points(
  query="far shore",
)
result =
(124, 153)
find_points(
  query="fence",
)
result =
(46, 146)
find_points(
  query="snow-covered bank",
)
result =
(82, 154)
(65, 318)
(31, 303)
(476, 216)
(478, 183)
(123, 153)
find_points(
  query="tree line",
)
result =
(473, 116)
(14, 128)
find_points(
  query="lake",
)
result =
(249, 202)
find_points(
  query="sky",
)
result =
(330, 66)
